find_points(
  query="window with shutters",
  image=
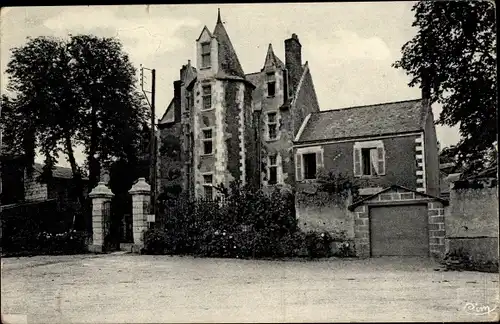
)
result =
(308, 161)
(205, 55)
(272, 126)
(207, 141)
(369, 159)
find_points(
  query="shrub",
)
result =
(318, 244)
(70, 242)
(40, 228)
(459, 259)
(244, 223)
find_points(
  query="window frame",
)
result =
(274, 123)
(274, 166)
(304, 173)
(206, 54)
(359, 163)
(205, 184)
(299, 162)
(271, 80)
(206, 95)
(207, 139)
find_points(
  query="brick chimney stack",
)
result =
(293, 61)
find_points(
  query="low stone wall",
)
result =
(472, 223)
(323, 212)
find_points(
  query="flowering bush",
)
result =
(245, 223)
(68, 242)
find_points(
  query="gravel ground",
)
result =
(120, 288)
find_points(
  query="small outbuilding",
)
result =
(398, 221)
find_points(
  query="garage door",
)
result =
(399, 230)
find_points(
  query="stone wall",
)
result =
(322, 212)
(34, 190)
(436, 229)
(472, 223)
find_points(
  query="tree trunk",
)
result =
(77, 177)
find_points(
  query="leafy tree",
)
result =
(453, 57)
(451, 155)
(76, 91)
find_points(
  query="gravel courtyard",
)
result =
(119, 288)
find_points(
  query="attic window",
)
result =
(271, 84)
(205, 55)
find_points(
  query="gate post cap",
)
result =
(141, 187)
(101, 191)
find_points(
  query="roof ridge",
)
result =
(366, 106)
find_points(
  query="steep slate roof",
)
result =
(256, 79)
(229, 65)
(168, 116)
(272, 59)
(380, 119)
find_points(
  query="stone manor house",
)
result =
(265, 128)
(224, 125)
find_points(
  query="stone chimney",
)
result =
(293, 61)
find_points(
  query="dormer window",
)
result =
(205, 55)
(271, 84)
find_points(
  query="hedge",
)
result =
(39, 228)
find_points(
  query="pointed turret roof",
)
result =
(229, 65)
(272, 60)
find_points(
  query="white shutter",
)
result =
(298, 167)
(319, 160)
(357, 161)
(381, 160)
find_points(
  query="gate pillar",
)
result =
(140, 193)
(101, 196)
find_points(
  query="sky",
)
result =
(349, 46)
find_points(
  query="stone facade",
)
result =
(34, 190)
(218, 99)
(472, 223)
(324, 213)
(362, 231)
(436, 229)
